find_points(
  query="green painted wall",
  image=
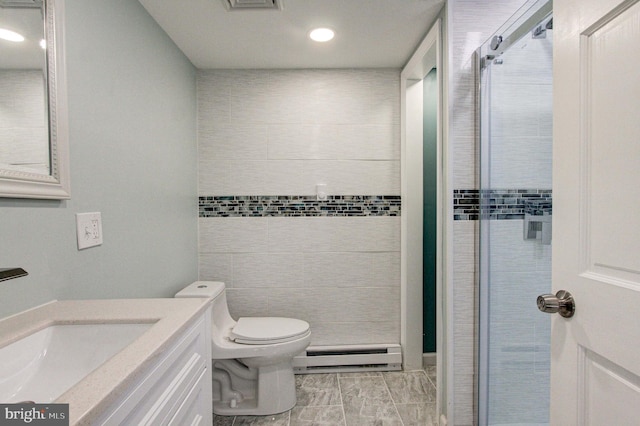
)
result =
(132, 143)
(430, 140)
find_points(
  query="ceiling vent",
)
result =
(253, 4)
(21, 4)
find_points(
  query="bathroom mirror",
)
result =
(34, 159)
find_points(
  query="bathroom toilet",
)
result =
(252, 358)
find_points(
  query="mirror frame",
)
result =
(17, 184)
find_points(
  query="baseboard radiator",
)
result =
(348, 358)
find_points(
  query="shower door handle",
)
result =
(562, 302)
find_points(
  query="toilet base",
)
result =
(275, 393)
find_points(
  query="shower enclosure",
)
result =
(515, 218)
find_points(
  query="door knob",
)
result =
(562, 302)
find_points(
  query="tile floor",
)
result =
(355, 399)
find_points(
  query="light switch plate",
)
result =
(321, 192)
(89, 229)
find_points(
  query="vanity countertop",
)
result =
(101, 388)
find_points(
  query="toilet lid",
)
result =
(268, 330)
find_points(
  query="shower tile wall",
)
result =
(23, 134)
(519, 357)
(519, 270)
(521, 116)
(266, 133)
(471, 22)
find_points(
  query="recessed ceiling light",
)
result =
(321, 34)
(10, 35)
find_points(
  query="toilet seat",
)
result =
(268, 330)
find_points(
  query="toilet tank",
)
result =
(209, 289)
(221, 321)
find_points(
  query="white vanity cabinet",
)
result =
(175, 389)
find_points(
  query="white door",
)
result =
(595, 356)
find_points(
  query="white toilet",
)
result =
(252, 358)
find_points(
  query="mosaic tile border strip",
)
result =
(298, 205)
(501, 204)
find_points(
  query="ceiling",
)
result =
(369, 33)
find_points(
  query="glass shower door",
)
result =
(515, 219)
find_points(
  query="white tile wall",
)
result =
(465, 243)
(281, 132)
(470, 24)
(352, 269)
(373, 332)
(334, 141)
(521, 157)
(301, 270)
(510, 253)
(299, 177)
(330, 271)
(248, 302)
(232, 234)
(521, 115)
(515, 358)
(318, 234)
(220, 141)
(270, 270)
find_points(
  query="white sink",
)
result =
(45, 364)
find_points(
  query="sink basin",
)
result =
(45, 364)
